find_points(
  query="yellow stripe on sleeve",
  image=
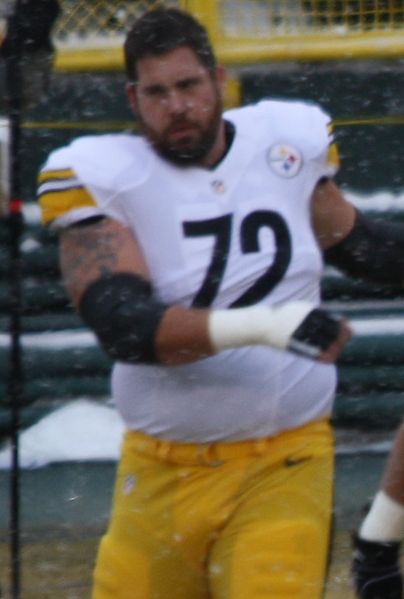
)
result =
(333, 156)
(56, 203)
(56, 175)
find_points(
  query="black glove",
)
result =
(315, 334)
(376, 570)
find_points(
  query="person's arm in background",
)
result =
(372, 250)
(106, 277)
(359, 246)
(376, 569)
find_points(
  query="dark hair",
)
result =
(162, 30)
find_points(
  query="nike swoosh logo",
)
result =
(289, 462)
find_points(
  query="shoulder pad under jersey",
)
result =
(102, 160)
(298, 123)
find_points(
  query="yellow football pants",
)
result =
(246, 520)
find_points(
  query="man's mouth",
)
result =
(180, 132)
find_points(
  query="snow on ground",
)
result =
(82, 430)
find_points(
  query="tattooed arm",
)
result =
(96, 250)
(103, 248)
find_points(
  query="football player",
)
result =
(195, 251)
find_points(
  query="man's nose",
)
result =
(177, 103)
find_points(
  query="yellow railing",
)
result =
(89, 33)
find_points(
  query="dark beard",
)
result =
(187, 156)
(193, 154)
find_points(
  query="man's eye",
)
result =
(188, 84)
(154, 92)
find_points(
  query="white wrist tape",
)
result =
(385, 520)
(257, 325)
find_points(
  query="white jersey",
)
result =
(235, 235)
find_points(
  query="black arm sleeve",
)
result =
(374, 250)
(123, 313)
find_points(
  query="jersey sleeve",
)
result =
(79, 181)
(62, 197)
(310, 129)
(320, 146)
(331, 161)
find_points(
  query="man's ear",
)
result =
(221, 77)
(130, 90)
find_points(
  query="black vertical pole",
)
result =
(15, 226)
(27, 51)
(15, 386)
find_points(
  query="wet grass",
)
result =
(52, 567)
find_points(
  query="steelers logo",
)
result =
(284, 160)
